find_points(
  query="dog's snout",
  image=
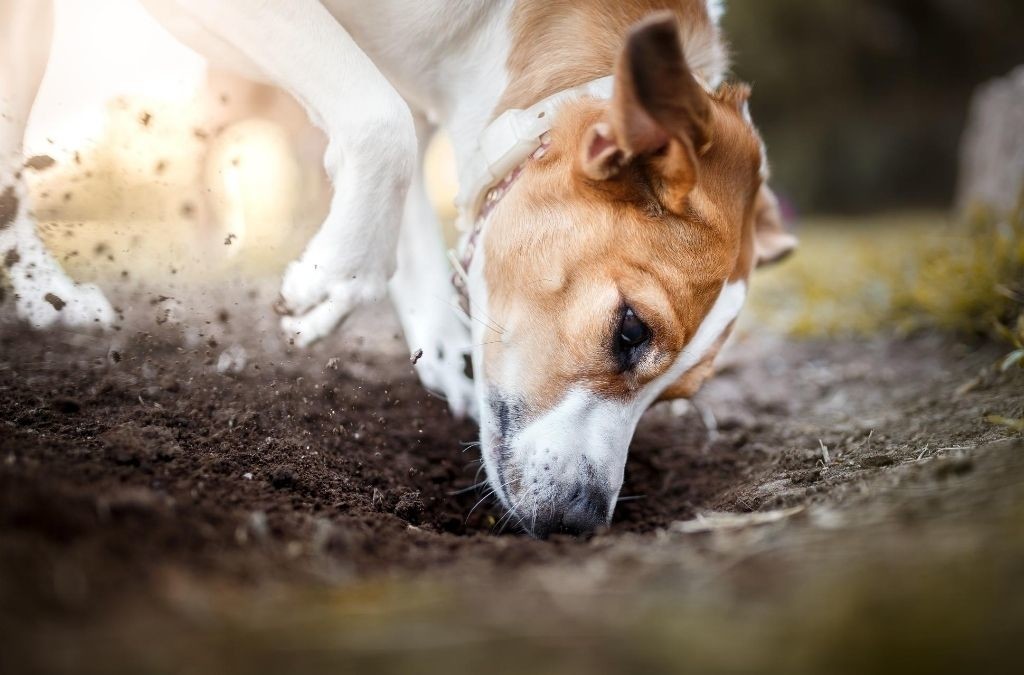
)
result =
(583, 513)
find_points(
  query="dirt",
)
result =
(129, 474)
(40, 162)
(8, 207)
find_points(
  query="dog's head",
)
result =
(609, 277)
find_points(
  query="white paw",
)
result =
(311, 279)
(441, 369)
(65, 303)
(335, 303)
(435, 330)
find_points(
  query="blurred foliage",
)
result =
(862, 103)
(901, 273)
(973, 282)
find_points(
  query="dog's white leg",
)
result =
(44, 294)
(423, 297)
(370, 154)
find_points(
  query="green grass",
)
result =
(899, 274)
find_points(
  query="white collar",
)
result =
(502, 148)
(510, 139)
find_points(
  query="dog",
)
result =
(613, 201)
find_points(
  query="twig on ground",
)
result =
(713, 522)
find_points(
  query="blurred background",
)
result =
(164, 171)
(863, 104)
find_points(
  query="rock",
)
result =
(992, 147)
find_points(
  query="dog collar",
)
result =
(503, 150)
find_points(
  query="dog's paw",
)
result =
(442, 370)
(64, 303)
(440, 343)
(316, 277)
(336, 302)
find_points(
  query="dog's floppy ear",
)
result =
(659, 115)
(772, 242)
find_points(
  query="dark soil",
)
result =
(124, 470)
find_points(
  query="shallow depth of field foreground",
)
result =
(190, 493)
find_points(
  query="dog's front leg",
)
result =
(370, 155)
(422, 293)
(43, 293)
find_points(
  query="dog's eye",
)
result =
(633, 334)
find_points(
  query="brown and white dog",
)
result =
(614, 202)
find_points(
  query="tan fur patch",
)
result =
(564, 252)
(559, 44)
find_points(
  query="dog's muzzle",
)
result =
(582, 512)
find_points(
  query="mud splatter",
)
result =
(8, 207)
(56, 301)
(40, 162)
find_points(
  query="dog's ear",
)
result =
(659, 115)
(772, 242)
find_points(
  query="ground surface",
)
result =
(305, 512)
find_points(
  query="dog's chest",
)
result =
(437, 53)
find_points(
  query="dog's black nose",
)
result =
(583, 513)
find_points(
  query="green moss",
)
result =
(900, 274)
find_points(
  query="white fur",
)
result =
(424, 300)
(716, 10)
(587, 426)
(44, 294)
(705, 53)
(357, 68)
(362, 70)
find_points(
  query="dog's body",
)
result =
(664, 254)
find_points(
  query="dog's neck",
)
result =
(508, 141)
(514, 71)
(502, 153)
(526, 50)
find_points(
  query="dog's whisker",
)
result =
(508, 513)
(492, 326)
(473, 304)
(474, 486)
(631, 498)
(499, 329)
(507, 518)
(488, 494)
(436, 395)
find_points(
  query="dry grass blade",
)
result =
(714, 522)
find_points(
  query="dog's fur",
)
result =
(655, 200)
